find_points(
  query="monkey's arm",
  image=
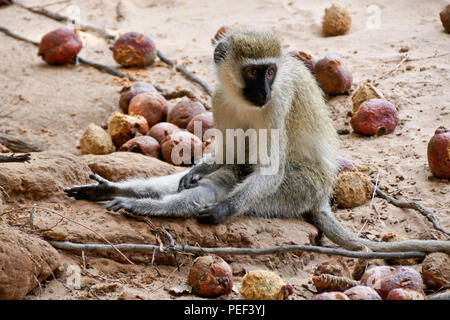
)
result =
(191, 179)
(244, 196)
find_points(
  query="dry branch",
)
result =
(413, 205)
(15, 158)
(65, 245)
(18, 145)
(329, 282)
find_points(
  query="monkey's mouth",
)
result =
(258, 99)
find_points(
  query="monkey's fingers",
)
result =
(129, 204)
(188, 181)
(77, 192)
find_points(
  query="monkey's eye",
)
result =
(251, 72)
(270, 73)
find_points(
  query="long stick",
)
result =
(103, 33)
(15, 158)
(66, 245)
(413, 205)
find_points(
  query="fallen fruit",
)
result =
(134, 49)
(181, 148)
(332, 295)
(439, 153)
(162, 130)
(436, 271)
(345, 164)
(375, 117)
(362, 293)
(128, 93)
(332, 75)
(365, 92)
(95, 140)
(151, 105)
(352, 189)
(60, 46)
(123, 127)
(210, 276)
(183, 112)
(200, 123)
(336, 21)
(4, 149)
(445, 18)
(142, 144)
(264, 285)
(383, 279)
(307, 59)
(405, 294)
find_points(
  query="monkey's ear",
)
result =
(220, 52)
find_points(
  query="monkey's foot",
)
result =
(215, 213)
(129, 204)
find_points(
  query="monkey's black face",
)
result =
(258, 79)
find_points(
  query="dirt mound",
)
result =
(122, 165)
(24, 260)
(46, 174)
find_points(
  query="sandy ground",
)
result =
(53, 105)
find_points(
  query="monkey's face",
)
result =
(258, 80)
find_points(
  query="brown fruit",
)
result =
(436, 271)
(439, 153)
(181, 148)
(365, 92)
(333, 76)
(162, 130)
(392, 237)
(134, 49)
(336, 21)
(332, 295)
(405, 294)
(375, 117)
(345, 164)
(128, 93)
(4, 149)
(5, 2)
(445, 18)
(142, 144)
(204, 122)
(221, 33)
(151, 105)
(264, 285)
(210, 276)
(383, 279)
(122, 127)
(60, 46)
(183, 112)
(352, 189)
(307, 59)
(362, 293)
(96, 140)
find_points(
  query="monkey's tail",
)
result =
(331, 227)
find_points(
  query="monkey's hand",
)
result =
(129, 204)
(190, 179)
(216, 213)
(100, 191)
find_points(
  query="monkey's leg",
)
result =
(139, 188)
(184, 204)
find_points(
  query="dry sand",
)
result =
(53, 105)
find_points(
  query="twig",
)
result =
(119, 13)
(110, 245)
(15, 158)
(103, 33)
(107, 69)
(405, 58)
(413, 205)
(30, 219)
(172, 244)
(65, 245)
(40, 287)
(18, 145)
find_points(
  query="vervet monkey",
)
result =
(259, 87)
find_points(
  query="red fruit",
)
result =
(333, 76)
(203, 121)
(210, 276)
(152, 106)
(142, 144)
(162, 130)
(345, 164)
(60, 46)
(128, 93)
(134, 49)
(183, 112)
(307, 59)
(383, 279)
(181, 147)
(362, 293)
(332, 295)
(375, 117)
(439, 153)
(5, 2)
(405, 294)
(445, 18)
